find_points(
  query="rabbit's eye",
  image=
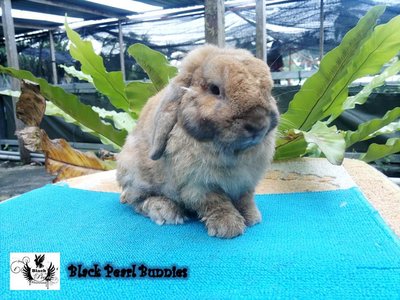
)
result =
(214, 89)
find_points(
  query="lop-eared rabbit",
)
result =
(202, 143)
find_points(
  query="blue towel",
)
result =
(328, 245)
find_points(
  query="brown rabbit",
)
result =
(202, 143)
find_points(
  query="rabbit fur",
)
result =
(202, 143)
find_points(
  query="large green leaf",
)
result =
(379, 80)
(110, 84)
(295, 148)
(154, 64)
(366, 129)
(71, 105)
(75, 73)
(388, 129)
(318, 91)
(138, 93)
(52, 110)
(376, 151)
(377, 50)
(329, 140)
(121, 120)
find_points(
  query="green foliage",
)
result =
(373, 128)
(110, 84)
(304, 129)
(140, 92)
(388, 129)
(121, 120)
(319, 91)
(378, 81)
(53, 110)
(378, 49)
(328, 140)
(376, 151)
(75, 73)
(154, 63)
(363, 51)
(319, 139)
(291, 145)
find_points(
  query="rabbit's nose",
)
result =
(253, 129)
(256, 121)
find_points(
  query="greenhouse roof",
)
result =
(31, 15)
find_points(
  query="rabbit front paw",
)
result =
(162, 210)
(225, 224)
(252, 216)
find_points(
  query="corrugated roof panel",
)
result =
(54, 10)
(99, 8)
(173, 3)
(81, 9)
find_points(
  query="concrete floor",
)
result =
(16, 179)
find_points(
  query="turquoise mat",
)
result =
(318, 245)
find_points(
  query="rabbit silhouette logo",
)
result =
(33, 271)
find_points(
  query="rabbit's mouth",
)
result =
(252, 141)
(252, 134)
(243, 143)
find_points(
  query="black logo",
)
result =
(40, 272)
(39, 261)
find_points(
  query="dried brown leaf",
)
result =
(60, 158)
(65, 171)
(67, 162)
(32, 137)
(31, 105)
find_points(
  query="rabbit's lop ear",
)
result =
(166, 114)
(165, 119)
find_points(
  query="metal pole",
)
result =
(261, 34)
(121, 49)
(53, 57)
(12, 61)
(214, 22)
(321, 30)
